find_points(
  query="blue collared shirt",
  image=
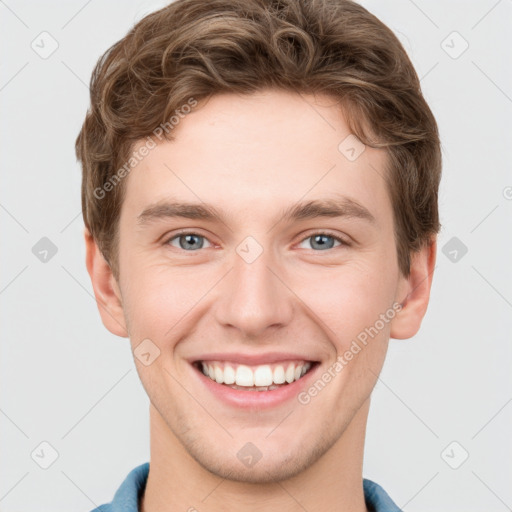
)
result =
(127, 496)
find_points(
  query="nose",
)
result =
(254, 298)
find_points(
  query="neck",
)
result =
(177, 482)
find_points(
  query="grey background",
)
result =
(66, 380)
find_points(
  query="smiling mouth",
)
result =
(266, 377)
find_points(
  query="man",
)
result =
(260, 184)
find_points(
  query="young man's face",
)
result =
(250, 285)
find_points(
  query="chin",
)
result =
(273, 466)
(261, 473)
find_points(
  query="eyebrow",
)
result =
(343, 207)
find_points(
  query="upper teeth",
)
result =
(264, 375)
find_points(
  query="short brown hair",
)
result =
(196, 48)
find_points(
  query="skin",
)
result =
(250, 157)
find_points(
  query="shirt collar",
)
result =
(128, 495)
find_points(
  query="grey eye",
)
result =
(189, 241)
(322, 241)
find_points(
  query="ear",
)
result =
(106, 290)
(413, 293)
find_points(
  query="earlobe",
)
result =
(414, 293)
(106, 291)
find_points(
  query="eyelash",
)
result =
(324, 233)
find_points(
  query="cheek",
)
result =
(160, 299)
(348, 299)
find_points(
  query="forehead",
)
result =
(259, 152)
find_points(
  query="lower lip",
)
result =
(256, 399)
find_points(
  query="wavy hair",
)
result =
(198, 48)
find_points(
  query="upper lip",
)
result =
(251, 359)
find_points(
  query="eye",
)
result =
(188, 241)
(323, 241)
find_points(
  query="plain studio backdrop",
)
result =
(439, 428)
